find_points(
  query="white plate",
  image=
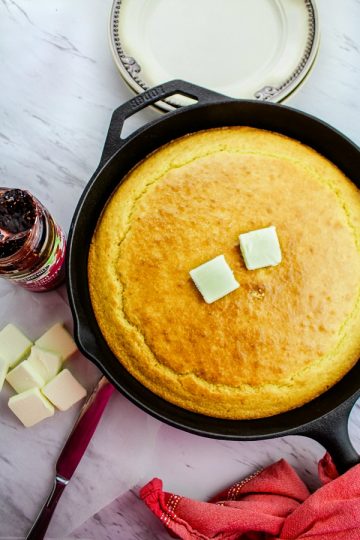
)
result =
(251, 49)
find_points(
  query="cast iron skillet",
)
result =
(325, 418)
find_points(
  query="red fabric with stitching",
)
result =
(273, 504)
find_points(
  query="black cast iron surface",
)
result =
(324, 418)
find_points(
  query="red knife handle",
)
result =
(84, 429)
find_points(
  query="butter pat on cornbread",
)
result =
(31, 407)
(260, 248)
(64, 390)
(57, 340)
(214, 279)
(14, 346)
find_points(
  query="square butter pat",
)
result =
(31, 407)
(4, 366)
(14, 346)
(24, 376)
(214, 279)
(46, 363)
(57, 340)
(64, 390)
(260, 248)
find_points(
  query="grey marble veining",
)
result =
(59, 86)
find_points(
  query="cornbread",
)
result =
(288, 332)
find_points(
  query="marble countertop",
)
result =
(59, 86)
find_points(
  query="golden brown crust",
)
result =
(288, 332)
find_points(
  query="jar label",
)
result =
(52, 273)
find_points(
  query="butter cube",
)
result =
(214, 279)
(46, 363)
(64, 390)
(260, 248)
(4, 366)
(24, 376)
(31, 407)
(57, 340)
(14, 346)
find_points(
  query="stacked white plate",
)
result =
(250, 49)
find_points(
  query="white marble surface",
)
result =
(59, 86)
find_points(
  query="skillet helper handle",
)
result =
(114, 141)
(332, 432)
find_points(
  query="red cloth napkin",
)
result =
(271, 504)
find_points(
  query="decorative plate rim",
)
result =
(130, 69)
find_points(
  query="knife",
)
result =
(72, 453)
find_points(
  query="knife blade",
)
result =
(72, 453)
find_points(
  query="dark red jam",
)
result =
(17, 217)
(32, 245)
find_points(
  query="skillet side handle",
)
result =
(332, 432)
(114, 141)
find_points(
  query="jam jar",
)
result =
(32, 245)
